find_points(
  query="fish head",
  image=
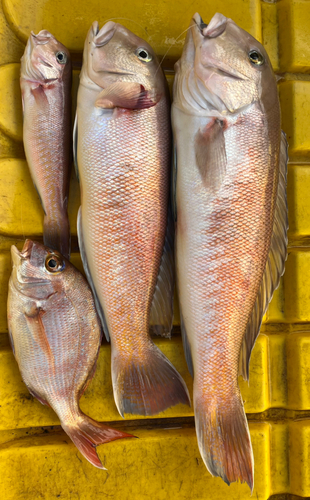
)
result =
(45, 59)
(38, 271)
(113, 54)
(232, 69)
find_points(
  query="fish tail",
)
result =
(146, 385)
(87, 434)
(224, 439)
(56, 233)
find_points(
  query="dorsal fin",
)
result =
(161, 316)
(274, 266)
(75, 139)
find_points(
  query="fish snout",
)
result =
(41, 38)
(103, 36)
(215, 28)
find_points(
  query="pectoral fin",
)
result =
(127, 95)
(211, 154)
(34, 320)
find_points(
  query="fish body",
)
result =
(55, 335)
(123, 158)
(46, 94)
(231, 224)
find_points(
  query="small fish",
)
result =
(123, 149)
(45, 81)
(231, 224)
(55, 336)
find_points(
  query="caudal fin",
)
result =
(224, 440)
(146, 384)
(56, 233)
(86, 434)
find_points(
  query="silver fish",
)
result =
(45, 81)
(231, 227)
(122, 142)
(55, 335)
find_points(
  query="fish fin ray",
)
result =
(210, 153)
(87, 434)
(187, 347)
(40, 96)
(75, 139)
(128, 95)
(161, 316)
(89, 278)
(148, 385)
(174, 182)
(224, 440)
(39, 398)
(36, 326)
(274, 265)
(11, 339)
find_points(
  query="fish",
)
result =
(55, 335)
(122, 150)
(45, 80)
(230, 211)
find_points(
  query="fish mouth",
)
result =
(199, 22)
(25, 254)
(41, 38)
(215, 28)
(103, 36)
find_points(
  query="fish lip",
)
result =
(236, 75)
(42, 38)
(27, 248)
(199, 22)
(105, 34)
(44, 62)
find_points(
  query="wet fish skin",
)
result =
(231, 212)
(123, 149)
(55, 335)
(46, 95)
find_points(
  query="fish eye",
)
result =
(256, 58)
(61, 57)
(143, 55)
(54, 263)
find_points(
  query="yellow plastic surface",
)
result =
(295, 106)
(294, 41)
(160, 24)
(164, 463)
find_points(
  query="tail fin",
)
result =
(148, 384)
(56, 233)
(224, 440)
(86, 434)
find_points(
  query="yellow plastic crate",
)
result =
(39, 461)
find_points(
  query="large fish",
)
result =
(122, 143)
(231, 224)
(55, 335)
(45, 81)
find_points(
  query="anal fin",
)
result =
(161, 316)
(89, 278)
(187, 348)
